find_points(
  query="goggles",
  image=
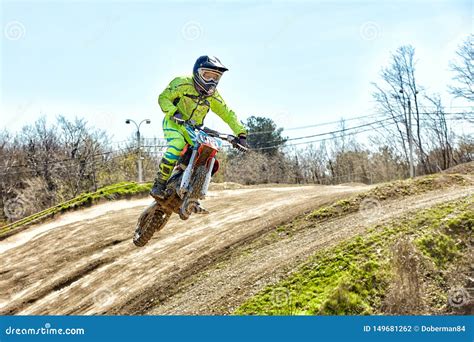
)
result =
(209, 75)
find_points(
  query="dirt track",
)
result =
(85, 263)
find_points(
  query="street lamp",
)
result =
(139, 162)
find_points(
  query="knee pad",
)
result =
(166, 167)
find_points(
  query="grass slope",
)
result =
(405, 267)
(111, 192)
(392, 190)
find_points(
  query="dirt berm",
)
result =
(85, 262)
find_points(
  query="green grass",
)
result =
(440, 247)
(353, 277)
(393, 190)
(111, 192)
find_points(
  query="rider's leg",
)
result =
(176, 143)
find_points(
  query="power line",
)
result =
(127, 150)
(56, 161)
(322, 124)
(364, 125)
(339, 131)
(318, 124)
(320, 140)
(344, 120)
(348, 134)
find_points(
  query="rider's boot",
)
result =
(158, 189)
(159, 186)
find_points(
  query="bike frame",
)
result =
(204, 150)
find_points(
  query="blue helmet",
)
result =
(207, 72)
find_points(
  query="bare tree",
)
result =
(83, 147)
(397, 97)
(313, 163)
(42, 148)
(464, 70)
(407, 54)
(441, 137)
(464, 151)
(386, 165)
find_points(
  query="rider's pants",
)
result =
(175, 136)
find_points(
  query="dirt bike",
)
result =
(188, 182)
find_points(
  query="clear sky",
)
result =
(298, 62)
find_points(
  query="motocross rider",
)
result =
(188, 99)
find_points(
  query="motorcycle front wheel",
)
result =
(151, 220)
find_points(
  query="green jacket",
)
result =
(180, 95)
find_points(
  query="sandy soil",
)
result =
(224, 285)
(85, 262)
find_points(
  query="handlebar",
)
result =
(233, 140)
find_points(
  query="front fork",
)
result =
(188, 172)
(208, 177)
(190, 205)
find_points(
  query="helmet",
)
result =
(206, 74)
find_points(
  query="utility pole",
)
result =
(139, 147)
(410, 140)
(140, 166)
(410, 137)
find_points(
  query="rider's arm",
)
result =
(219, 107)
(171, 93)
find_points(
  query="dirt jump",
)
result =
(85, 262)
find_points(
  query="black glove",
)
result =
(243, 140)
(178, 118)
(241, 143)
